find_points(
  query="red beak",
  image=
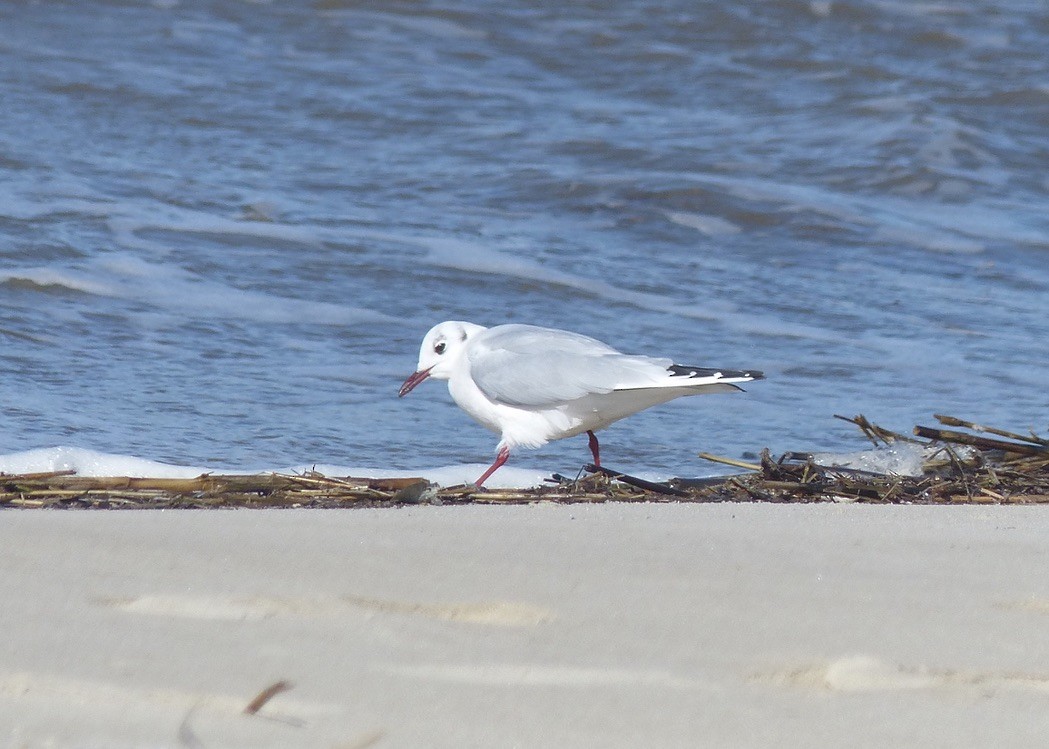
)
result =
(412, 381)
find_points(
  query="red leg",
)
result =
(500, 458)
(594, 448)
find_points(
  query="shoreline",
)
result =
(941, 466)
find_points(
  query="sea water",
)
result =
(226, 226)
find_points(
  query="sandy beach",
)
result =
(617, 625)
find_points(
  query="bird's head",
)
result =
(441, 349)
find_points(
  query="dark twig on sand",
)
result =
(266, 695)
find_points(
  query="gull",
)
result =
(532, 385)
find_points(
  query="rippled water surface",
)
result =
(225, 227)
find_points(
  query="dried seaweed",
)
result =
(992, 471)
(958, 467)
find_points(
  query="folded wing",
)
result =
(531, 367)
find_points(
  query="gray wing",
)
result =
(523, 365)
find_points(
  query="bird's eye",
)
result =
(439, 347)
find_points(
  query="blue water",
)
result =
(225, 227)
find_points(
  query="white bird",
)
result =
(532, 385)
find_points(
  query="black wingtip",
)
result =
(676, 370)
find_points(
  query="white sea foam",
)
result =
(56, 277)
(128, 220)
(438, 27)
(174, 288)
(14, 206)
(507, 477)
(932, 226)
(166, 286)
(900, 459)
(93, 463)
(126, 228)
(478, 259)
(713, 226)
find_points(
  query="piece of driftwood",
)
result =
(648, 486)
(957, 467)
(875, 433)
(954, 422)
(729, 461)
(984, 443)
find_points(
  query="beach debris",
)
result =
(266, 695)
(946, 467)
(875, 433)
(934, 466)
(984, 443)
(417, 492)
(648, 486)
(730, 462)
(953, 422)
